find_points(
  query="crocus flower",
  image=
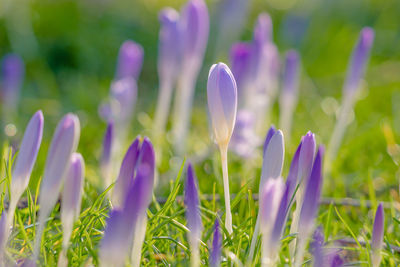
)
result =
(12, 75)
(310, 206)
(71, 201)
(24, 163)
(240, 60)
(290, 87)
(130, 60)
(168, 64)
(64, 143)
(195, 27)
(270, 197)
(222, 106)
(377, 235)
(193, 215)
(106, 156)
(215, 255)
(128, 223)
(137, 154)
(317, 246)
(358, 63)
(359, 60)
(3, 235)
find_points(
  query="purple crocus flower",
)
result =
(317, 246)
(271, 131)
(377, 235)
(193, 215)
(359, 60)
(222, 102)
(215, 255)
(240, 60)
(263, 29)
(128, 223)
(26, 159)
(64, 143)
(12, 75)
(106, 156)
(130, 60)
(309, 207)
(137, 154)
(289, 95)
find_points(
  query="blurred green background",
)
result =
(70, 50)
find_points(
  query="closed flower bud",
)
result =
(130, 60)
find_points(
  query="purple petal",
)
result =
(291, 181)
(240, 56)
(105, 161)
(222, 101)
(27, 154)
(281, 217)
(271, 195)
(263, 29)
(169, 45)
(317, 246)
(130, 60)
(270, 133)
(64, 143)
(126, 173)
(311, 195)
(306, 158)
(192, 205)
(215, 256)
(378, 229)
(195, 28)
(359, 59)
(73, 186)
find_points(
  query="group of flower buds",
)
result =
(126, 225)
(182, 42)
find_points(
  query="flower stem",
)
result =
(224, 160)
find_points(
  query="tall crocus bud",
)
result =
(64, 143)
(222, 106)
(290, 87)
(130, 60)
(358, 63)
(193, 215)
(195, 27)
(71, 201)
(12, 75)
(128, 223)
(263, 29)
(26, 159)
(215, 255)
(377, 236)
(168, 64)
(271, 195)
(359, 60)
(273, 156)
(310, 206)
(240, 60)
(107, 155)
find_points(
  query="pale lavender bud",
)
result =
(312, 195)
(64, 143)
(72, 195)
(244, 140)
(192, 207)
(377, 235)
(222, 102)
(359, 60)
(271, 131)
(123, 95)
(12, 75)
(215, 255)
(281, 217)
(126, 173)
(291, 74)
(263, 29)
(169, 45)
(106, 156)
(240, 60)
(26, 156)
(306, 158)
(195, 28)
(273, 158)
(130, 60)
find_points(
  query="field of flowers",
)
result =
(199, 133)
